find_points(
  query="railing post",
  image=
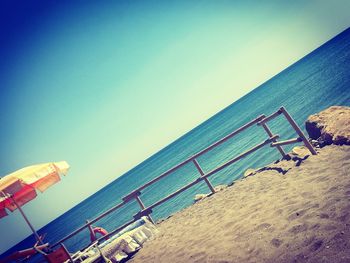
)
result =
(270, 134)
(138, 199)
(202, 173)
(91, 230)
(141, 204)
(298, 130)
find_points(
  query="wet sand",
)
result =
(293, 211)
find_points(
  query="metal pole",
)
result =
(202, 173)
(26, 219)
(269, 132)
(286, 142)
(298, 130)
(138, 199)
(272, 116)
(91, 230)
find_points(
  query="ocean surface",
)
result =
(315, 82)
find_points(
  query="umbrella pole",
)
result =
(37, 237)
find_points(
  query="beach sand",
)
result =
(293, 211)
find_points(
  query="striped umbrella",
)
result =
(20, 187)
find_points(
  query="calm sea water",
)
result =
(317, 81)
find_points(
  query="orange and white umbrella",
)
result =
(18, 188)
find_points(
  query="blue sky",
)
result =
(104, 85)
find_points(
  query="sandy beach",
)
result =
(292, 211)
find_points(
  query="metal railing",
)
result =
(146, 211)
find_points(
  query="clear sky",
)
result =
(106, 84)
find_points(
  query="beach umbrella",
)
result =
(20, 187)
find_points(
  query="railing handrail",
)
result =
(135, 194)
(247, 125)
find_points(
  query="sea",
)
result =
(315, 82)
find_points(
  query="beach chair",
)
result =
(22, 255)
(121, 245)
(60, 255)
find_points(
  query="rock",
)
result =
(314, 143)
(300, 151)
(330, 126)
(282, 167)
(220, 187)
(231, 184)
(249, 172)
(199, 197)
(217, 188)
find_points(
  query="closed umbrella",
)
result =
(20, 187)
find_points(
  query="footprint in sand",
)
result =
(298, 229)
(315, 206)
(324, 216)
(340, 240)
(264, 227)
(198, 257)
(307, 195)
(181, 254)
(230, 225)
(308, 240)
(333, 189)
(242, 237)
(330, 227)
(322, 178)
(316, 245)
(278, 212)
(344, 217)
(312, 215)
(329, 206)
(315, 226)
(296, 215)
(276, 242)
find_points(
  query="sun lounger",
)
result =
(121, 245)
(116, 248)
(59, 255)
(23, 254)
